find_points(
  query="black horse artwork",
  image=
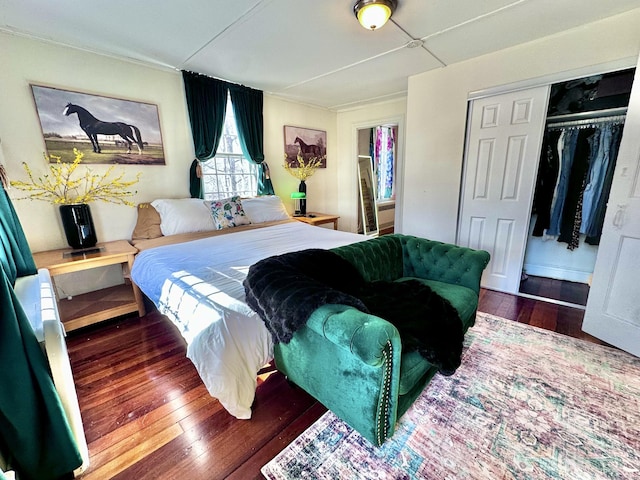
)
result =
(312, 150)
(94, 127)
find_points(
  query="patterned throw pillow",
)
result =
(228, 212)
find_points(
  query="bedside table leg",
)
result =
(139, 300)
(137, 294)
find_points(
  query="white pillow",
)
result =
(267, 208)
(183, 215)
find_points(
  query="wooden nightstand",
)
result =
(315, 218)
(99, 305)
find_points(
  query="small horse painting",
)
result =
(94, 127)
(305, 143)
(307, 150)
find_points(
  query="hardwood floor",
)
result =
(562, 290)
(147, 414)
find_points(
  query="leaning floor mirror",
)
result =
(367, 188)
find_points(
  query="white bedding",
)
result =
(198, 286)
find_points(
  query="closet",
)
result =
(504, 143)
(581, 139)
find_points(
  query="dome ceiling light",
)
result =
(373, 14)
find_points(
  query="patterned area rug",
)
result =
(525, 404)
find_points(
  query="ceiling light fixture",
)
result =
(373, 14)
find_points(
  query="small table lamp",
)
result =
(298, 199)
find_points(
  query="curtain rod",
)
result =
(234, 84)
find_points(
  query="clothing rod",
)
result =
(587, 115)
(588, 121)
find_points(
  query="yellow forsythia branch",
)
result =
(58, 187)
(303, 170)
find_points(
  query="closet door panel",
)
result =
(485, 155)
(613, 307)
(503, 246)
(504, 138)
(513, 167)
(476, 231)
(621, 299)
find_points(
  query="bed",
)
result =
(195, 280)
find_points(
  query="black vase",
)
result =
(78, 225)
(302, 188)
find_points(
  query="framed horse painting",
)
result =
(106, 130)
(307, 142)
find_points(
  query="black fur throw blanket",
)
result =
(284, 290)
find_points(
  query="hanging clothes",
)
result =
(385, 161)
(574, 179)
(546, 181)
(597, 167)
(594, 231)
(568, 148)
(573, 197)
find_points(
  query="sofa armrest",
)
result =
(443, 262)
(350, 362)
(365, 336)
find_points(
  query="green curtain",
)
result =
(195, 180)
(207, 104)
(15, 254)
(34, 433)
(247, 106)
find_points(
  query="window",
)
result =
(229, 173)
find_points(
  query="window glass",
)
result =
(229, 173)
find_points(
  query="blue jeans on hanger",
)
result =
(568, 151)
(597, 168)
(600, 203)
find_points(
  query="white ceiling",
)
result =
(312, 51)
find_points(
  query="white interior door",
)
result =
(613, 307)
(504, 139)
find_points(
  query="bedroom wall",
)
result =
(26, 61)
(321, 187)
(437, 108)
(348, 123)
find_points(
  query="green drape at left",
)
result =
(247, 106)
(15, 254)
(34, 434)
(207, 104)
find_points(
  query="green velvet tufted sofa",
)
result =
(353, 362)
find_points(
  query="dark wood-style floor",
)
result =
(147, 414)
(562, 290)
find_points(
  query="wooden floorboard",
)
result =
(562, 290)
(147, 414)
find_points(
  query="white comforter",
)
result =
(198, 286)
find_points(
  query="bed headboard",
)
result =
(195, 218)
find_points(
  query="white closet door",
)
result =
(613, 307)
(504, 139)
